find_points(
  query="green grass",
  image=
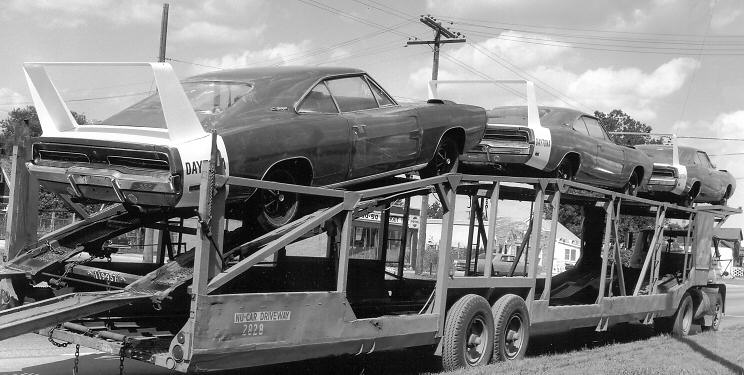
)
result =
(631, 350)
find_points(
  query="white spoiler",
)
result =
(533, 116)
(55, 117)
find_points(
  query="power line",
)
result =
(713, 138)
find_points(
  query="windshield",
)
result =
(659, 154)
(210, 100)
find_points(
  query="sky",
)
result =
(674, 64)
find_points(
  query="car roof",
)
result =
(279, 86)
(659, 146)
(277, 72)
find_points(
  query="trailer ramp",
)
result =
(155, 286)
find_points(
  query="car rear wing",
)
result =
(55, 117)
(533, 116)
(672, 140)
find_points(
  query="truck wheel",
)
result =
(512, 328)
(683, 317)
(468, 333)
(717, 317)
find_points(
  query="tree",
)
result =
(619, 121)
(17, 121)
(435, 211)
(20, 125)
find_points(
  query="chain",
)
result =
(121, 359)
(57, 344)
(71, 265)
(77, 359)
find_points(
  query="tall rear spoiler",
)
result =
(55, 117)
(533, 116)
(672, 138)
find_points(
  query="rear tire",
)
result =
(565, 170)
(468, 334)
(631, 187)
(445, 160)
(511, 328)
(680, 323)
(717, 316)
(277, 208)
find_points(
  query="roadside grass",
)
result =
(630, 350)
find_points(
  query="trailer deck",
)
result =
(252, 303)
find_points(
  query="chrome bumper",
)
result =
(661, 184)
(148, 187)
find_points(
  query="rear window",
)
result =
(659, 154)
(210, 100)
(549, 117)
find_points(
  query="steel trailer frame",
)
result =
(235, 330)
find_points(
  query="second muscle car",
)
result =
(564, 143)
(692, 177)
(315, 126)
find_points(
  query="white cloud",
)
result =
(74, 13)
(282, 53)
(10, 98)
(213, 33)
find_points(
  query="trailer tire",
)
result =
(511, 328)
(717, 317)
(468, 333)
(680, 323)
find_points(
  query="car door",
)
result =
(586, 146)
(385, 136)
(710, 183)
(330, 150)
(610, 156)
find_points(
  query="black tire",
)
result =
(277, 208)
(717, 317)
(565, 170)
(726, 196)
(680, 323)
(445, 160)
(691, 195)
(468, 334)
(511, 328)
(631, 187)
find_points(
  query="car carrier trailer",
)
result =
(252, 303)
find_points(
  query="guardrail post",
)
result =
(22, 218)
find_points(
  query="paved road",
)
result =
(32, 354)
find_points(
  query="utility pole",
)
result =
(163, 33)
(417, 256)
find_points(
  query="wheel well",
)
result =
(300, 166)
(639, 171)
(575, 160)
(458, 134)
(727, 195)
(695, 188)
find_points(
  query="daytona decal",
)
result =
(193, 167)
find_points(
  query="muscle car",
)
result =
(560, 142)
(317, 126)
(501, 265)
(686, 175)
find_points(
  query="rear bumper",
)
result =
(143, 187)
(484, 155)
(661, 184)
